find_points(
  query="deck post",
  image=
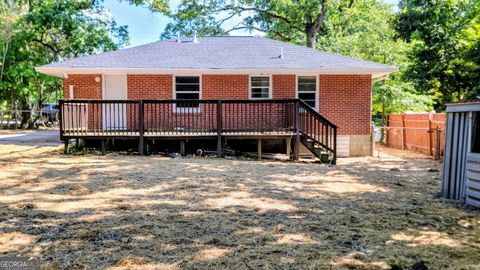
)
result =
(60, 117)
(297, 131)
(288, 144)
(104, 147)
(259, 149)
(140, 128)
(219, 128)
(334, 159)
(182, 148)
(65, 141)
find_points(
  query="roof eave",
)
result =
(64, 71)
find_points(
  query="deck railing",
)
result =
(194, 118)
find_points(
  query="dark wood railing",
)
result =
(317, 128)
(195, 118)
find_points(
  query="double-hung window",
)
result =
(307, 90)
(259, 87)
(187, 88)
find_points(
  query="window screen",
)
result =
(476, 132)
(307, 90)
(187, 88)
(260, 87)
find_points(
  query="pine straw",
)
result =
(130, 212)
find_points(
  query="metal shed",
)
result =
(461, 174)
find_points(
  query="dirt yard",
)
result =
(131, 212)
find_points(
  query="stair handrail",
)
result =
(307, 107)
(327, 122)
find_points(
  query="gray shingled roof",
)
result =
(218, 53)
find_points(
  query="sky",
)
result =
(145, 26)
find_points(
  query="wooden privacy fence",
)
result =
(419, 132)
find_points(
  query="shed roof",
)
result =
(472, 106)
(217, 54)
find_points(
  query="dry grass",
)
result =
(129, 212)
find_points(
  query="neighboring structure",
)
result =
(461, 176)
(250, 69)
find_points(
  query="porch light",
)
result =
(97, 79)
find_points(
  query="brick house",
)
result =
(248, 69)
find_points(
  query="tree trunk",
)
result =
(311, 34)
(382, 136)
(26, 113)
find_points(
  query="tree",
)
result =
(161, 6)
(362, 29)
(7, 19)
(48, 31)
(290, 21)
(445, 56)
(366, 31)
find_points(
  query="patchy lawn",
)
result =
(129, 212)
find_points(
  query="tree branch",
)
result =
(251, 27)
(220, 22)
(321, 16)
(273, 15)
(239, 9)
(56, 51)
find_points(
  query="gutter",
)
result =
(65, 71)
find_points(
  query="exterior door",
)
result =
(115, 114)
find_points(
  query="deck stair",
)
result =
(317, 133)
(316, 150)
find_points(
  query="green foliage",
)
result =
(44, 31)
(362, 29)
(445, 36)
(154, 5)
(366, 31)
(194, 16)
(395, 96)
(291, 21)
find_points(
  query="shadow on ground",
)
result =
(152, 212)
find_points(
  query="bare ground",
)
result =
(130, 212)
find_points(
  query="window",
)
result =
(71, 89)
(307, 90)
(259, 87)
(476, 132)
(187, 88)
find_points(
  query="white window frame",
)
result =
(71, 91)
(317, 87)
(174, 93)
(270, 82)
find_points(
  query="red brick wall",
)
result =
(150, 86)
(283, 86)
(225, 86)
(85, 87)
(346, 101)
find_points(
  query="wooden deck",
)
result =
(192, 119)
(113, 134)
